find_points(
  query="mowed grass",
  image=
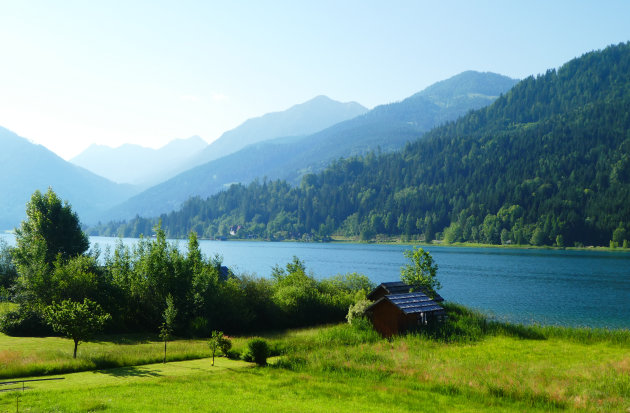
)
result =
(470, 366)
(34, 356)
(233, 386)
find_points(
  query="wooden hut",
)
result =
(397, 313)
(395, 287)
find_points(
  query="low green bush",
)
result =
(257, 351)
(225, 344)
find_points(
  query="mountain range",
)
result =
(548, 163)
(299, 120)
(26, 167)
(138, 165)
(385, 128)
(287, 145)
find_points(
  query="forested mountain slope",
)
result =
(547, 163)
(385, 128)
(26, 167)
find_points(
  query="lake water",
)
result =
(577, 288)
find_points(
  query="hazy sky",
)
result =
(74, 73)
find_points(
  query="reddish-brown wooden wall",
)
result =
(389, 320)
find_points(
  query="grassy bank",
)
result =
(468, 364)
(399, 241)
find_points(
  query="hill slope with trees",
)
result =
(385, 128)
(546, 164)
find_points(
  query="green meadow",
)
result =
(467, 365)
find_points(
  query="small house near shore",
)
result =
(396, 310)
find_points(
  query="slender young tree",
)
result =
(215, 342)
(166, 329)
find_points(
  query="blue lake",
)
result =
(577, 288)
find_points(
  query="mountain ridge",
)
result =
(548, 163)
(304, 118)
(121, 164)
(386, 127)
(26, 166)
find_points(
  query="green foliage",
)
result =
(218, 341)
(421, 273)
(225, 344)
(47, 240)
(257, 351)
(24, 321)
(75, 320)
(51, 228)
(550, 157)
(8, 272)
(166, 328)
(357, 311)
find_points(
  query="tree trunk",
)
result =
(76, 344)
(164, 351)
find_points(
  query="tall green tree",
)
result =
(49, 237)
(51, 228)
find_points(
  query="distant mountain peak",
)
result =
(120, 164)
(468, 84)
(301, 119)
(386, 127)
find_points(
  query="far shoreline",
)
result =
(398, 241)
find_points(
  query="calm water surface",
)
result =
(577, 288)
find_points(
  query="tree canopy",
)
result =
(51, 229)
(421, 273)
(78, 321)
(549, 161)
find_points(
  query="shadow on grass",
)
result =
(134, 371)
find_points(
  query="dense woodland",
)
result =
(547, 164)
(51, 264)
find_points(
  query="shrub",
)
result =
(257, 351)
(357, 310)
(24, 322)
(247, 356)
(225, 344)
(233, 354)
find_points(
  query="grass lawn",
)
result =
(31, 356)
(486, 367)
(190, 386)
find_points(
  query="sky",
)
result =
(76, 73)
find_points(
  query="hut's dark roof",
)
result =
(412, 303)
(398, 287)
